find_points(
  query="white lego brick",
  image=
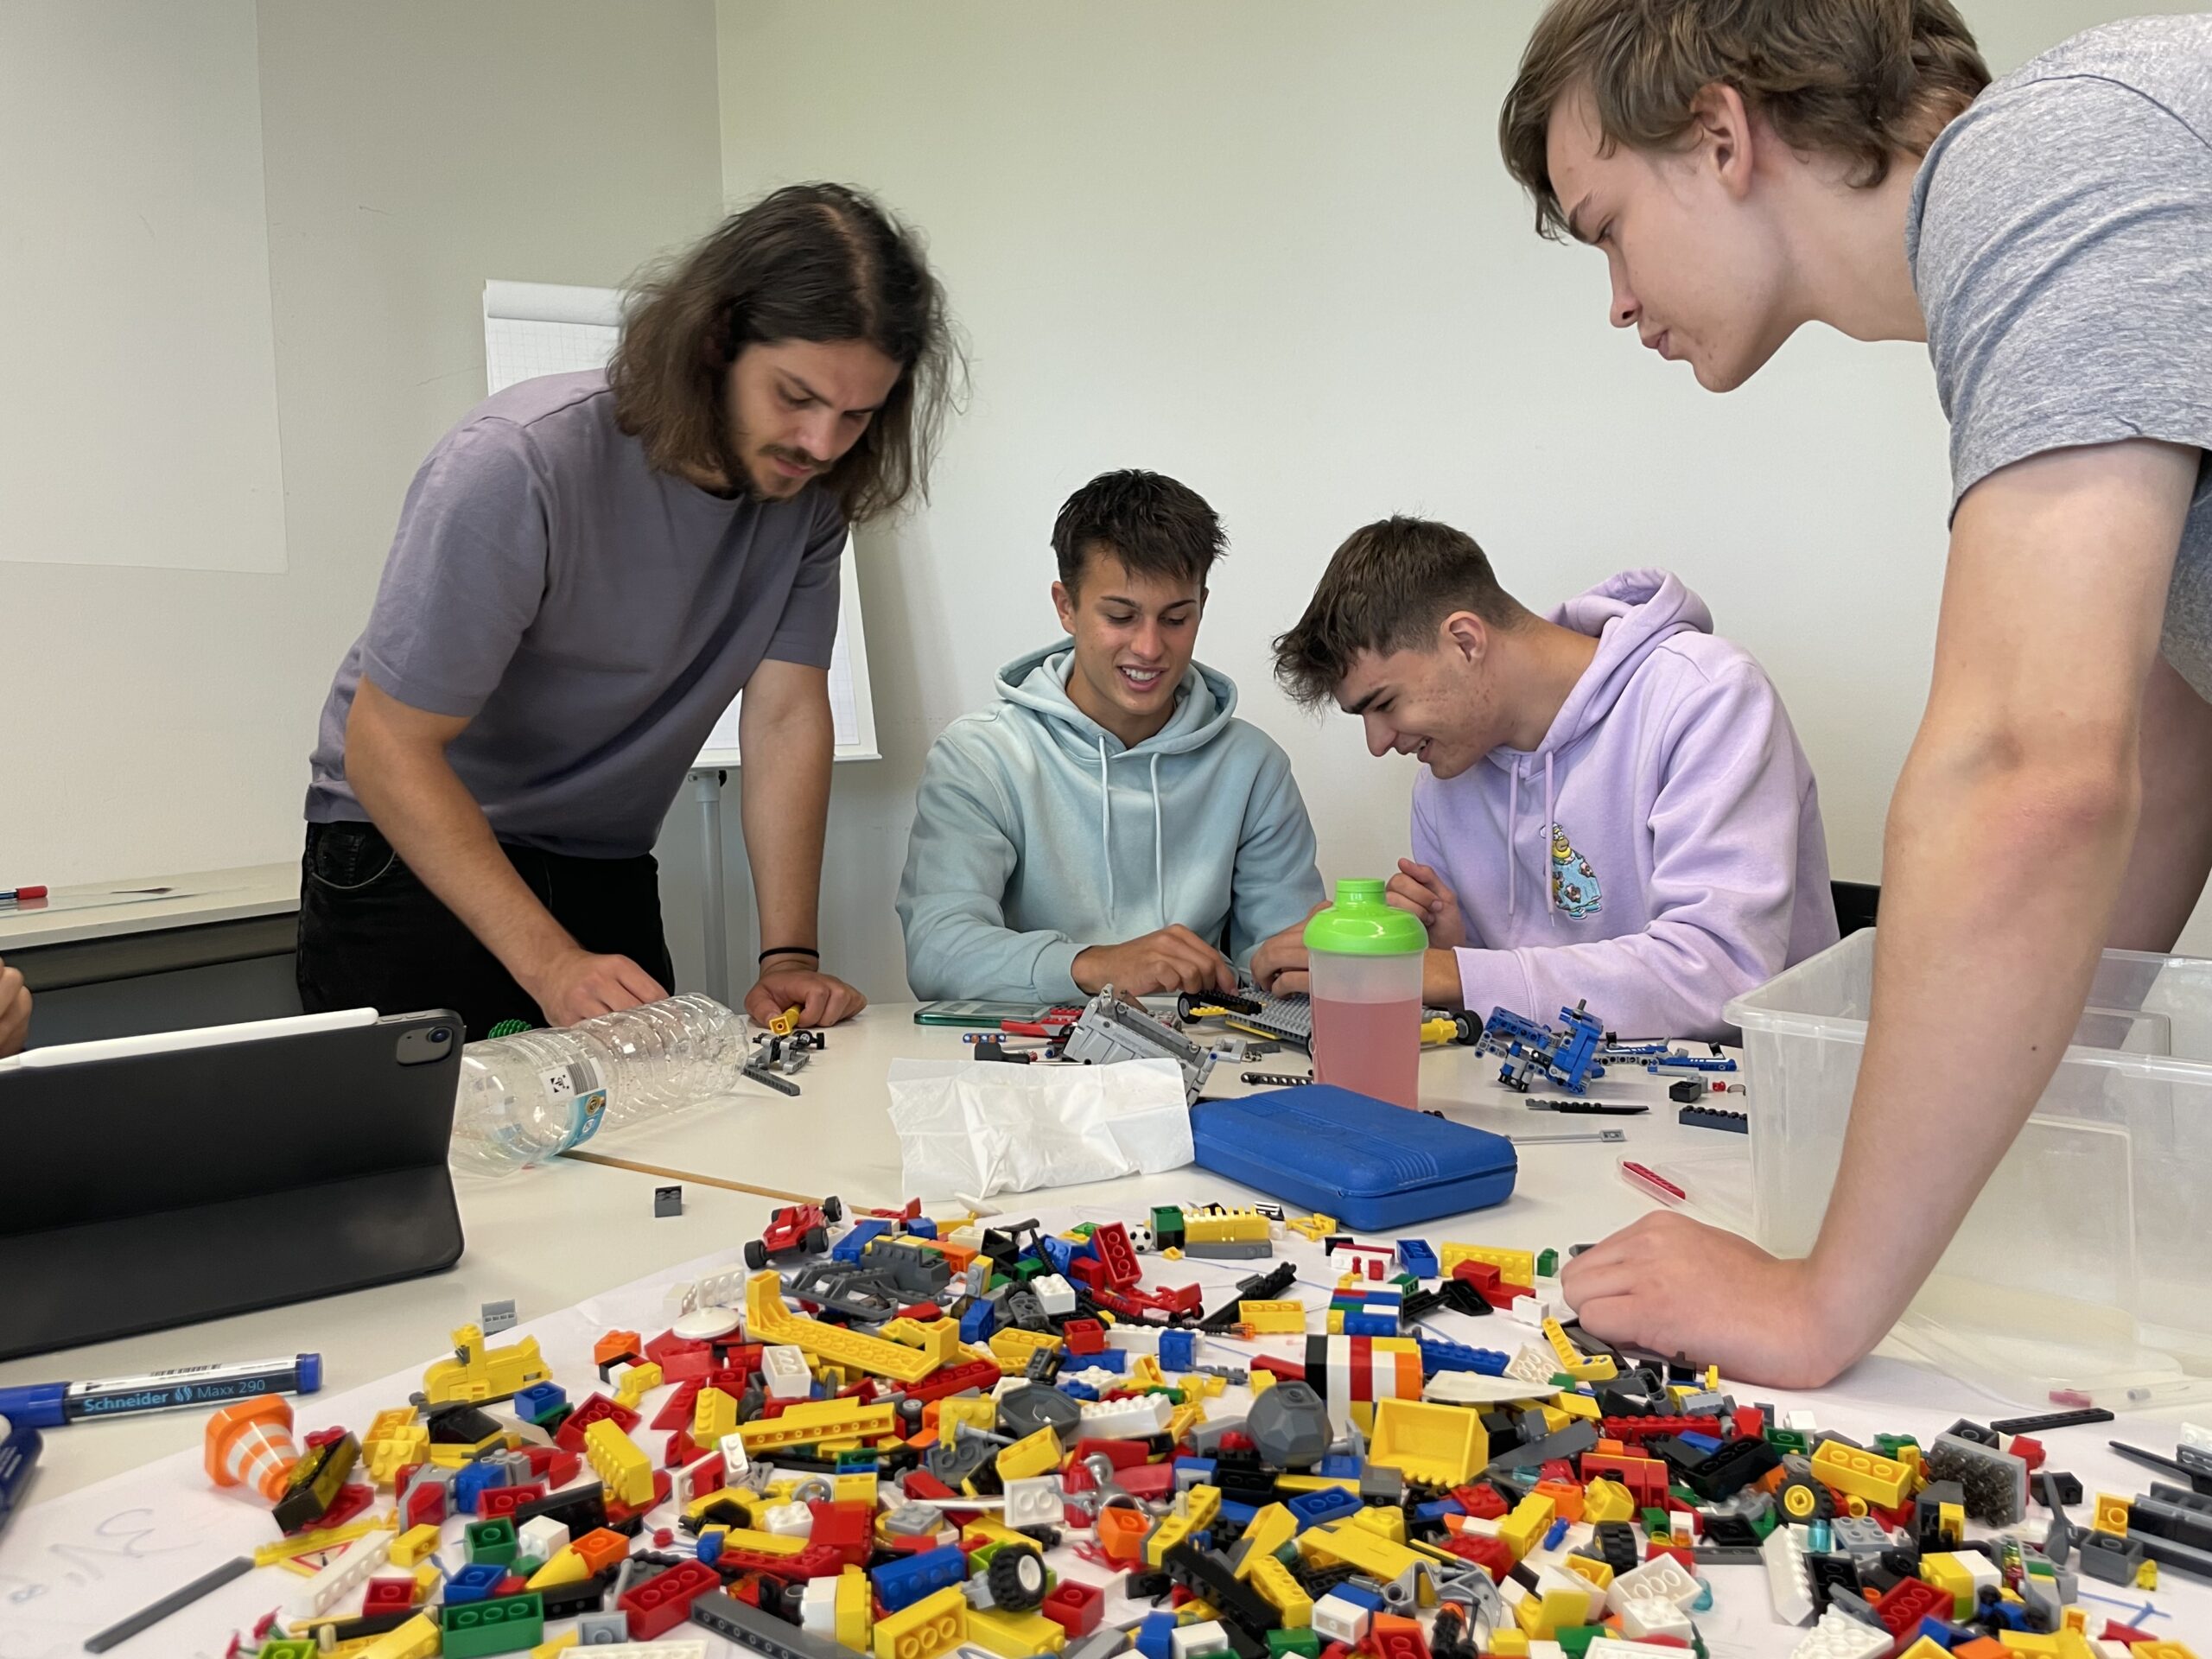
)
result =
(1056, 1296)
(1983, 1570)
(1336, 1619)
(818, 1607)
(1655, 1616)
(788, 1520)
(783, 1368)
(541, 1537)
(1034, 1501)
(678, 1299)
(1606, 1646)
(347, 1570)
(698, 1478)
(1800, 1421)
(735, 1465)
(1788, 1580)
(1550, 1577)
(1534, 1365)
(648, 1650)
(1137, 1419)
(1190, 1640)
(1838, 1636)
(2197, 1437)
(720, 1289)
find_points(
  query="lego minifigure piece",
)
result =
(667, 1201)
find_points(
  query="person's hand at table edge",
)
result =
(795, 983)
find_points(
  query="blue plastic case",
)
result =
(1368, 1163)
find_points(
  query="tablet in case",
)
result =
(155, 1181)
(1370, 1164)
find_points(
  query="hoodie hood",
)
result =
(1630, 615)
(1038, 681)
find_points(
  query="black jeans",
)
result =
(372, 936)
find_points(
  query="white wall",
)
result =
(154, 720)
(1268, 246)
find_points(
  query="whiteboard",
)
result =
(534, 328)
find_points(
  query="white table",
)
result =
(99, 910)
(552, 1237)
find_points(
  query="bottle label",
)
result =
(577, 1088)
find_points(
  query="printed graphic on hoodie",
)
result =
(1574, 884)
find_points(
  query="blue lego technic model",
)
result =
(1567, 1059)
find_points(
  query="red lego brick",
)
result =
(1084, 1337)
(1493, 1556)
(663, 1602)
(1555, 1469)
(596, 1407)
(849, 1528)
(1908, 1602)
(1751, 1422)
(952, 1379)
(1077, 1608)
(1687, 1558)
(1483, 1275)
(1152, 1481)
(1117, 1257)
(2030, 1451)
(1123, 1454)
(494, 1502)
(1392, 1637)
(388, 1596)
(351, 1501)
(426, 1505)
(617, 1513)
(1085, 1270)
(679, 1357)
(1180, 1299)
(1634, 1430)
(1287, 1371)
(1482, 1501)
(815, 1561)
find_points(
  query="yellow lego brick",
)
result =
(637, 1382)
(936, 1624)
(818, 1422)
(853, 1489)
(475, 1373)
(1607, 1500)
(1296, 1484)
(2110, 1515)
(1946, 1572)
(970, 1411)
(1515, 1267)
(1144, 1372)
(1211, 1385)
(1033, 1454)
(763, 1543)
(1926, 1648)
(1314, 1228)
(1278, 1586)
(937, 1339)
(854, 1609)
(1333, 1322)
(1530, 1519)
(1012, 1347)
(307, 1543)
(1273, 1319)
(1183, 1420)
(1369, 1552)
(1388, 1520)
(418, 1638)
(1241, 1226)
(1576, 1364)
(1951, 1522)
(1171, 1530)
(713, 1414)
(1196, 1610)
(1202, 1503)
(1260, 1382)
(620, 1462)
(2029, 1642)
(1269, 1529)
(559, 1645)
(1600, 1574)
(2160, 1650)
(1508, 1645)
(1544, 1617)
(1016, 1636)
(1571, 1406)
(1879, 1480)
(1440, 1445)
(414, 1545)
(769, 1320)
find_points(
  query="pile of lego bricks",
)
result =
(1048, 1456)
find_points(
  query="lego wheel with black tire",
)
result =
(1017, 1580)
(815, 1240)
(833, 1208)
(756, 1255)
(1803, 1501)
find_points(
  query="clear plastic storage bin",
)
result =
(2085, 1268)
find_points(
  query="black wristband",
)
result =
(792, 950)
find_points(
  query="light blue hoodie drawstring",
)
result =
(1106, 824)
(1159, 844)
(1512, 825)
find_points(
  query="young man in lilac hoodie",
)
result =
(1612, 805)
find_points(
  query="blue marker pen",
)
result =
(19, 1448)
(50, 1405)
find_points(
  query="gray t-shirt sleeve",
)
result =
(2062, 253)
(808, 628)
(467, 572)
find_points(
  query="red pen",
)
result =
(21, 893)
(1651, 1181)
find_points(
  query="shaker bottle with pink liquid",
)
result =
(1365, 959)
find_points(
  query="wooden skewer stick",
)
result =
(689, 1175)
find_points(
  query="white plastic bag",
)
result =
(973, 1128)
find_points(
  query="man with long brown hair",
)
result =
(1747, 167)
(587, 570)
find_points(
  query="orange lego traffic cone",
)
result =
(249, 1443)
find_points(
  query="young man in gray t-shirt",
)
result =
(1747, 169)
(587, 569)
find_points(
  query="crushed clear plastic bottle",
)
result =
(524, 1098)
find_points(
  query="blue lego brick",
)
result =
(1439, 1510)
(1108, 1359)
(471, 1479)
(1438, 1356)
(1311, 1508)
(474, 1582)
(922, 1227)
(1705, 1443)
(1360, 1596)
(1178, 1351)
(902, 1583)
(979, 1321)
(1194, 1469)
(1057, 1254)
(1156, 1635)
(1337, 1465)
(711, 1547)
(1418, 1259)
(855, 1244)
(1079, 1390)
(1237, 1515)
(540, 1400)
(1371, 1325)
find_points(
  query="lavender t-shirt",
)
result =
(593, 618)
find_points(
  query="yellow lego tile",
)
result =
(2110, 1515)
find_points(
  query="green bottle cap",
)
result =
(1362, 923)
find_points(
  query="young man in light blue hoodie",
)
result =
(1107, 821)
(1612, 807)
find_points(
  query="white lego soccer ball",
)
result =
(1141, 1238)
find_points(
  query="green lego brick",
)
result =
(1301, 1641)
(1656, 1524)
(1575, 1640)
(507, 1625)
(286, 1647)
(1548, 1265)
(1789, 1440)
(492, 1540)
